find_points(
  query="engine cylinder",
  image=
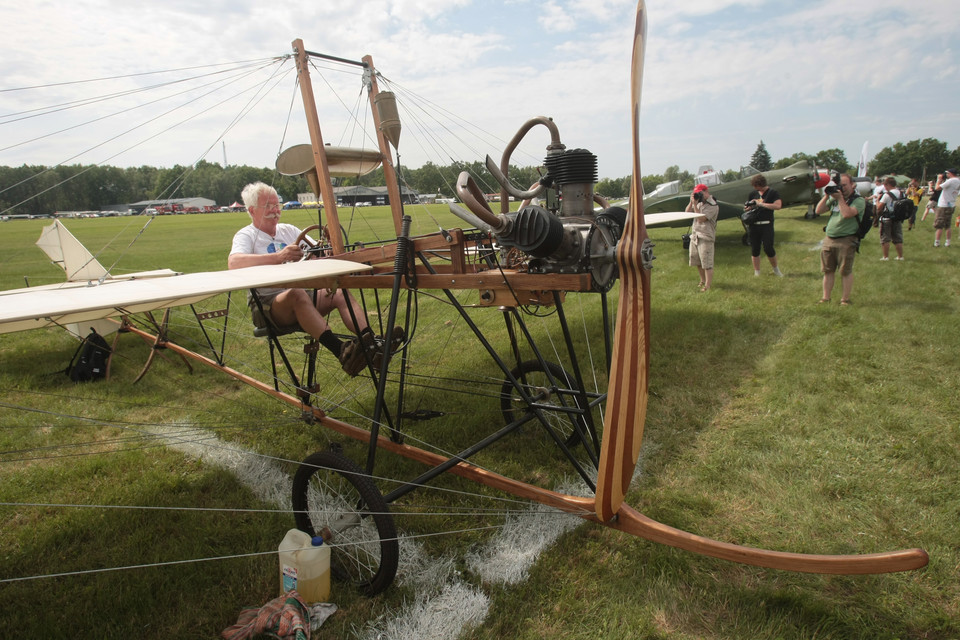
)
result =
(575, 173)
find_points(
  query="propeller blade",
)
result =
(627, 389)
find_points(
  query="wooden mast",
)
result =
(319, 153)
(389, 172)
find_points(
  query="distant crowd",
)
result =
(850, 215)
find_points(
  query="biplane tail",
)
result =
(78, 263)
(69, 254)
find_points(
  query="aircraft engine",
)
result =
(564, 234)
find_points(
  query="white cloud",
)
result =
(556, 19)
(739, 70)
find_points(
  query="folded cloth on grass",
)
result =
(285, 617)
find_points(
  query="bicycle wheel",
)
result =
(544, 386)
(334, 498)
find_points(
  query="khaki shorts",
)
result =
(891, 231)
(701, 253)
(267, 296)
(944, 215)
(838, 253)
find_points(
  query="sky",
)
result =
(719, 77)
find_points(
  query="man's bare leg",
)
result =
(295, 306)
(342, 303)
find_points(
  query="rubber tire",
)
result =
(367, 555)
(531, 373)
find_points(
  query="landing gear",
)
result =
(549, 385)
(334, 498)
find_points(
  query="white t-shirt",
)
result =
(948, 196)
(252, 240)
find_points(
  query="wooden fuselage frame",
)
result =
(511, 288)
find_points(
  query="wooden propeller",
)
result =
(629, 370)
(627, 399)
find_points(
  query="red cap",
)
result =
(699, 188)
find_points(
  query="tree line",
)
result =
(43, 190)
(914, 159)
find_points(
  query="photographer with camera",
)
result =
(891, 229)
(949, 184)
(765, 201)
(703, 233)
(915, 193)
(933, 194)
(846, 206)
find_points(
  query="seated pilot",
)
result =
(266, 241)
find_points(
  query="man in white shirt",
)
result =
(890, 230)
(877, 190)
(950, 185)
(266, 241)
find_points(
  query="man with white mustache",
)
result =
(267, 241)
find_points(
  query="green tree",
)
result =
(911, 158)
(674, 173)
(955, 158)
(783, 163)
(834, 159)
(615, 188)
(760, 160)
(649, 183)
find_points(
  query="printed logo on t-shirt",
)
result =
(276, 246)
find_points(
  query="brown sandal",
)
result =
(846, 303)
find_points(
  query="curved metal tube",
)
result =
(600, 200)
(471, 195)
(555, 145)
(469, 218)
(512, 190)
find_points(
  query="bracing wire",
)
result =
(140, 433)
(257, 87)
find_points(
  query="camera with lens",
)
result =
(698, 196)
(833, 186)
(750, 204)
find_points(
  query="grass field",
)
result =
(773, 422)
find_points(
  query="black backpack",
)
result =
(865, 220)
(901, 208)
(91, 364)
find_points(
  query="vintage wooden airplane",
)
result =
(535, 257)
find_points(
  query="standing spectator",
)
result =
(934, 194)
(877, 190)
(914, 192)
(950, 187)
(890, 230)
(766, 200)
(704, 233)
(846, 207)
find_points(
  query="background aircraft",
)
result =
(796, 184)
